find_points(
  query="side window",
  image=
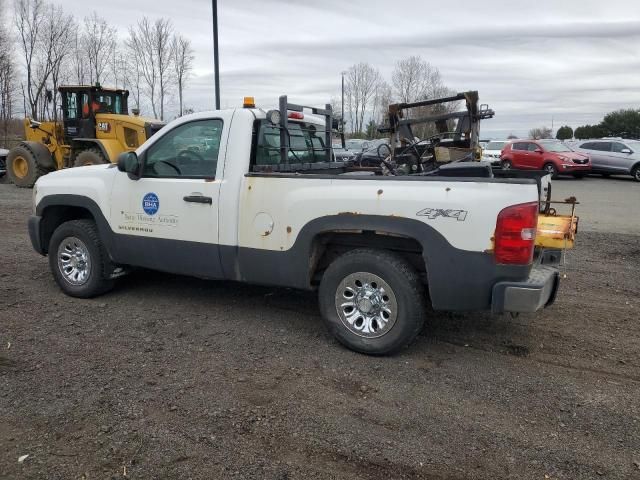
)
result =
(519, 146)
(305, 139)
(599, 146)
(617, 147)
(532, 147)
(189, 150)
(588, 146)
(72, 105)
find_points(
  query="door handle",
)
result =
(198, 199)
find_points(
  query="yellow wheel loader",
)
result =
(95, 128)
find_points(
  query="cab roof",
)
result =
(92, 88)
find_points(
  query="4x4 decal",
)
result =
(433, 213)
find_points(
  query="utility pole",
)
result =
(342, 104)
(216, 66)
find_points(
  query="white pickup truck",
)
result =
(252, 196)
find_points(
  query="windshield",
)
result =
(495, 145)
(555, 147)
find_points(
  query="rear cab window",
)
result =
(306, 140)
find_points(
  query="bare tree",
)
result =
(59, 29)
(133, 74)
(44, 33)
(29, 20)
(163, 31)
(361, 84)
(98, 40)
(140, 46)
(7, 80)
(414, 79)
(539, 133)
(183, 57)
(384, 97)
(118, 66)
(150, 46)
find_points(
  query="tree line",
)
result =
(368, 94)
(52, 48)
(624, 123)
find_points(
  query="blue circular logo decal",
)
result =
(150, 204)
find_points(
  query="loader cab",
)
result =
(82, 103)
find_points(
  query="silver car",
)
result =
(612, 156)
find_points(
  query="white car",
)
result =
(491, 152)
(250, 209)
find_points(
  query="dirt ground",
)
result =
(170, 377)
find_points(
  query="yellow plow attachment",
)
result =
(556, 230)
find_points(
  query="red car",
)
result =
(550, 155)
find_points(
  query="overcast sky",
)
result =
(572, 60)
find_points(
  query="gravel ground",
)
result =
(173, 377)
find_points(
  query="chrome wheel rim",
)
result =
(550, 169)
(366, 305)
(74, 261)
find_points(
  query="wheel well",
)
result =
(330, 245)
(56, 215)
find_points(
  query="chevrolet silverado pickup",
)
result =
(253, 196)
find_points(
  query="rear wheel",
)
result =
(506, 165)
(24, 164)
(78, 260)
(90, 156)
(372, 301)
(635, 173)
(551, 169)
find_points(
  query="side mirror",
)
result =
(626, 150)
(128, 162)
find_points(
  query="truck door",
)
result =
(168, 219)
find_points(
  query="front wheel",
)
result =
(372, 301)
(90, 156)
(551, 169)
(78, 260)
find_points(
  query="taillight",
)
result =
(516, 234)
(296, 115)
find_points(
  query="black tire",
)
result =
(90, 156)
(26, 163)
(405, 288)
(635, 173)
(551, 169)
(506, 165)
(96, 282)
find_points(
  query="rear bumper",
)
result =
(536, 292)
(34, 234)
